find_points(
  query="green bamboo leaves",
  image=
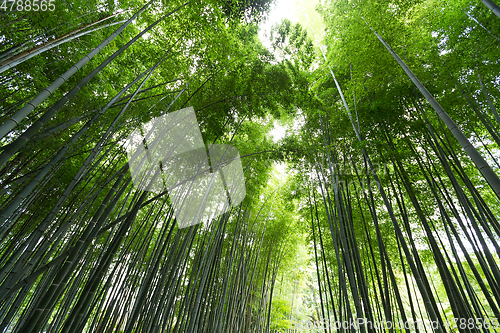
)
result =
(81, 247)
(385, 190)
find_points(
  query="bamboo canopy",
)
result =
(376, 210)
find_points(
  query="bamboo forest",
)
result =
(208, 166)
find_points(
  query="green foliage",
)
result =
(315, 234)
(251, 10)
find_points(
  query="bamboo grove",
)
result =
(392, 167)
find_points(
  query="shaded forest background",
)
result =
(387, 208)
